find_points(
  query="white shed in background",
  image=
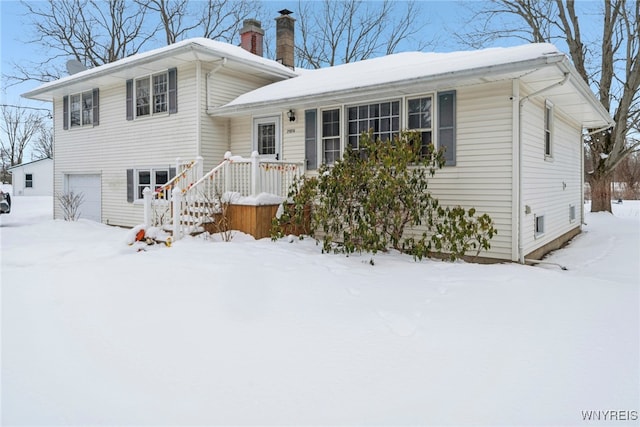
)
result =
(33, 178)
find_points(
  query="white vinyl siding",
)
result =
(549, 188)
(118, 144)
(220, 135)
(482, 175)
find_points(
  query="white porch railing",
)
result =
(157, 203)
(187, 204)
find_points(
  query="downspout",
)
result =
(198, 109)
(209, 74)
(521, 104)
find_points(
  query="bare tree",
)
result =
(628, 172)
(334, 32)
(172, 15)
(43, 147)
(18, 127)
(614, 70)
(222, 19)
(92, 32)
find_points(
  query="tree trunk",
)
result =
(600, 193)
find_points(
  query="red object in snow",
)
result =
(140, 236)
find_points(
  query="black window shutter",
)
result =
(311, 139)
(65, 113)
(130, 185)
(96, 107)
(129, 99)
(173, 90)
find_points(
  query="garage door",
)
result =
(89, 187)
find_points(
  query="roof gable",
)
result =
(195, 49)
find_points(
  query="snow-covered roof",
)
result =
(411, 72)
(30, 163)
(187, 50)
(394, 68)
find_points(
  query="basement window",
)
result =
(539, 225)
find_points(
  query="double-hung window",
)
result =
(330, 135)
(80, 109)
(548, 129)
(382, 119)
(139, 179)
(28, 180)
(160, 91)
(154, 94)
(420, 119)
(142, 97)
(152, 178)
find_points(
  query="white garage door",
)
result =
(89, 187)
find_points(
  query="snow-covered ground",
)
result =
(261, 332)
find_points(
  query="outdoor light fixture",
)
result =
(292, 115)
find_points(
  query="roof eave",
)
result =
(586, 93)
(45, 91)
(443, 79)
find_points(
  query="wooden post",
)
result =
(227, 175)
(147, 195)
(255, 174)
(177, 212)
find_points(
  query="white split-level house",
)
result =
(511, 120)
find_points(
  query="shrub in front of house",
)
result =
(368, 200)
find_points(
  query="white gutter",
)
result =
(521, 104)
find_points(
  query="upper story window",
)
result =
(81, 109)
(548, 129)
(155, 94)
(382, 119)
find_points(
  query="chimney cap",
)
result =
(285, 12)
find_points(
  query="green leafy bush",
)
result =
(366, 201)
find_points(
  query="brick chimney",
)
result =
(284, 38)
(251, 36)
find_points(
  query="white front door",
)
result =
(266, 137)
